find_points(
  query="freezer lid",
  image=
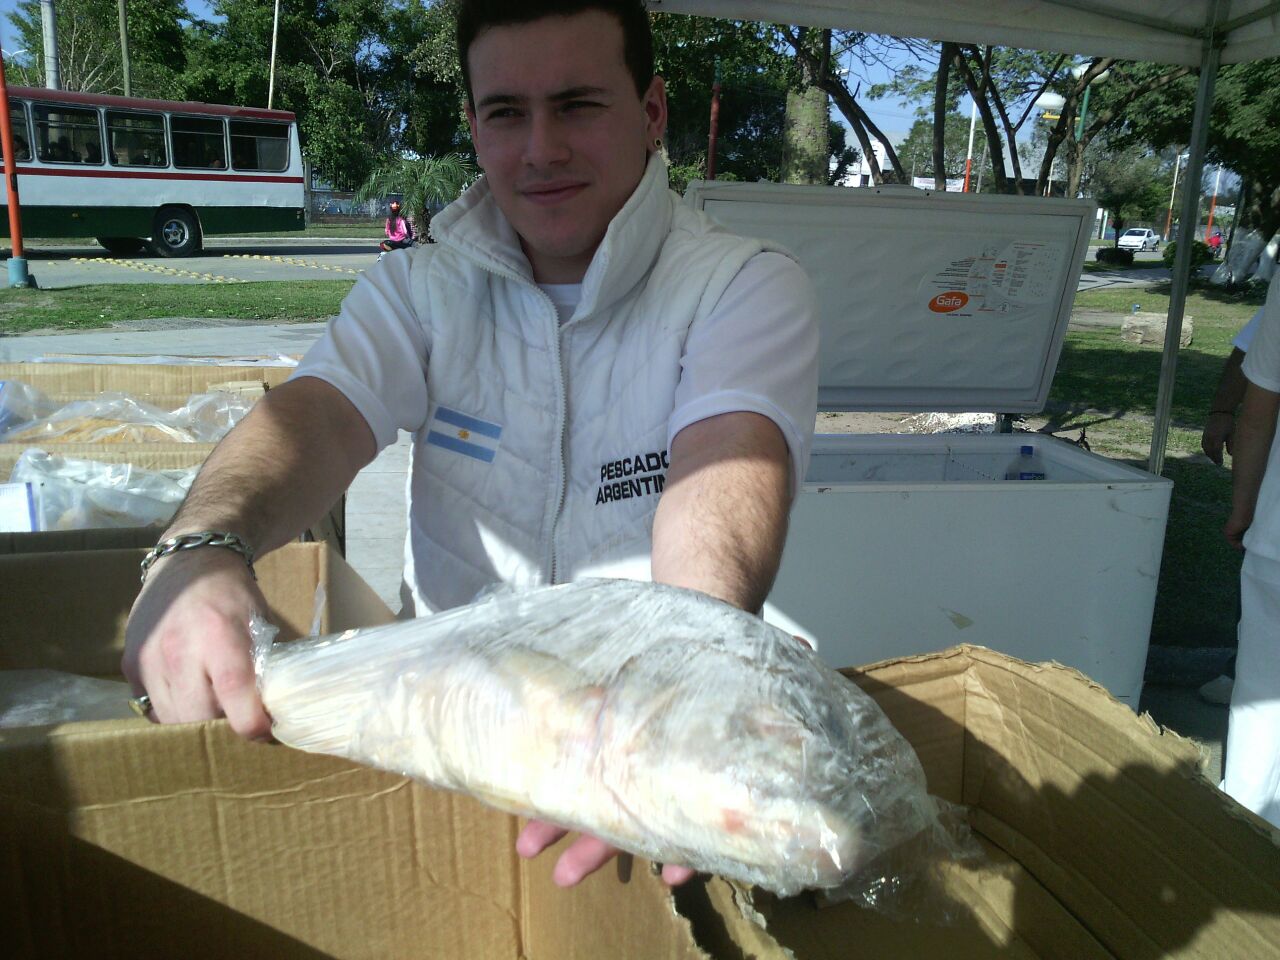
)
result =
(927, 300)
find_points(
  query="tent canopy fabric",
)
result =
(1166, 31)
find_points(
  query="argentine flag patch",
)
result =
(467, 435)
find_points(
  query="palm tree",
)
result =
(421, 182)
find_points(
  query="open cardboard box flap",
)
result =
(126, 838)
(1103, 839)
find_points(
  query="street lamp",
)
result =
(1078, 72)
(1168, 222)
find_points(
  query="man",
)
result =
(1253, 736)
(599, 381)
(1218, 434)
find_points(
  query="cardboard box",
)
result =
(1104, 840)
(162, 385)
(128, 839)
(165, 386)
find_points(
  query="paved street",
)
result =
(224, 260)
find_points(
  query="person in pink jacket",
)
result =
(399, 233)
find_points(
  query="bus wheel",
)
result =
(176, 233)
(122, 246)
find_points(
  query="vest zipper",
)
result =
(561, 409)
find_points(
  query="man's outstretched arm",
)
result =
(280, 469)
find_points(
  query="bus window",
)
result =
(67, 134)
(137, 139)
(259, 146)
(21, 133)
(198, 142)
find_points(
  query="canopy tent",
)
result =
(1202, 33)
(1170, 31)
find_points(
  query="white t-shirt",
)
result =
(1244, 339)
(746, 355)
(1262, 367)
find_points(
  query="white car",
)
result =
(1139, 238)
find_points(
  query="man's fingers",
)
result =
(673, 875)
(537, 836)
(585, 856)
(236, 690)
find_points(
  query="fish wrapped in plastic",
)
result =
(660, 720)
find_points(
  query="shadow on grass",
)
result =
(1122, 379)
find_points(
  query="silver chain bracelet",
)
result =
(189, 541)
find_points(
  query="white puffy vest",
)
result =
(545, 452)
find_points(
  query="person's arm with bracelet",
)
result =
(1219, 426)
(187, 643)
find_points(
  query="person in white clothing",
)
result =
(599, 381)
(1253, 734)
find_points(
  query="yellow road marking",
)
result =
(152, 268)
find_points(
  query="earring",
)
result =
(657, 143)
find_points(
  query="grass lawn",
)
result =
(1109, 387)
(84, 308)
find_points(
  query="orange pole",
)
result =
(968, 164)
(10, 167)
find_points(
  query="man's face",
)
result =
(560, 133)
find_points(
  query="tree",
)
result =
(917, 151)
(1244, 131)
(424, 185)
(1130, 184)
(89, 55)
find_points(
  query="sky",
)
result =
(894, 119)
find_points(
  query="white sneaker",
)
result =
(1218, 691)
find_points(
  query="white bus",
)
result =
(169, 175)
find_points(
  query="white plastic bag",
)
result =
(73, 494)
(21, 403)
(120, 418)
(35, 698)
(662, 721)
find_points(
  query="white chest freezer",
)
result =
(907, 544)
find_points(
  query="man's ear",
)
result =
(655, 109)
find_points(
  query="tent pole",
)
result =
(1188, 219)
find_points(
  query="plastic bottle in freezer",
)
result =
(1027, 466)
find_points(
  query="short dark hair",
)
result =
(637, 38)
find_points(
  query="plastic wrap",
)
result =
(74, 494)
(120, 418)
(21, 403)
(662, 721)
(36, 698)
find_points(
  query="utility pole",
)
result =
(17, 261)
(49, 27)
(968, 159)
(124, 47)
(271, 79)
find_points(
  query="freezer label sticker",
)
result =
(948, 302)
(638, 475)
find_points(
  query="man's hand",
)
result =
(584, 856)
(1236, 527)
(1219, 430)
(187, 643)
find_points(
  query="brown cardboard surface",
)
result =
(128, 839)
(154, 383)
(67, 611)
(1103, 840)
